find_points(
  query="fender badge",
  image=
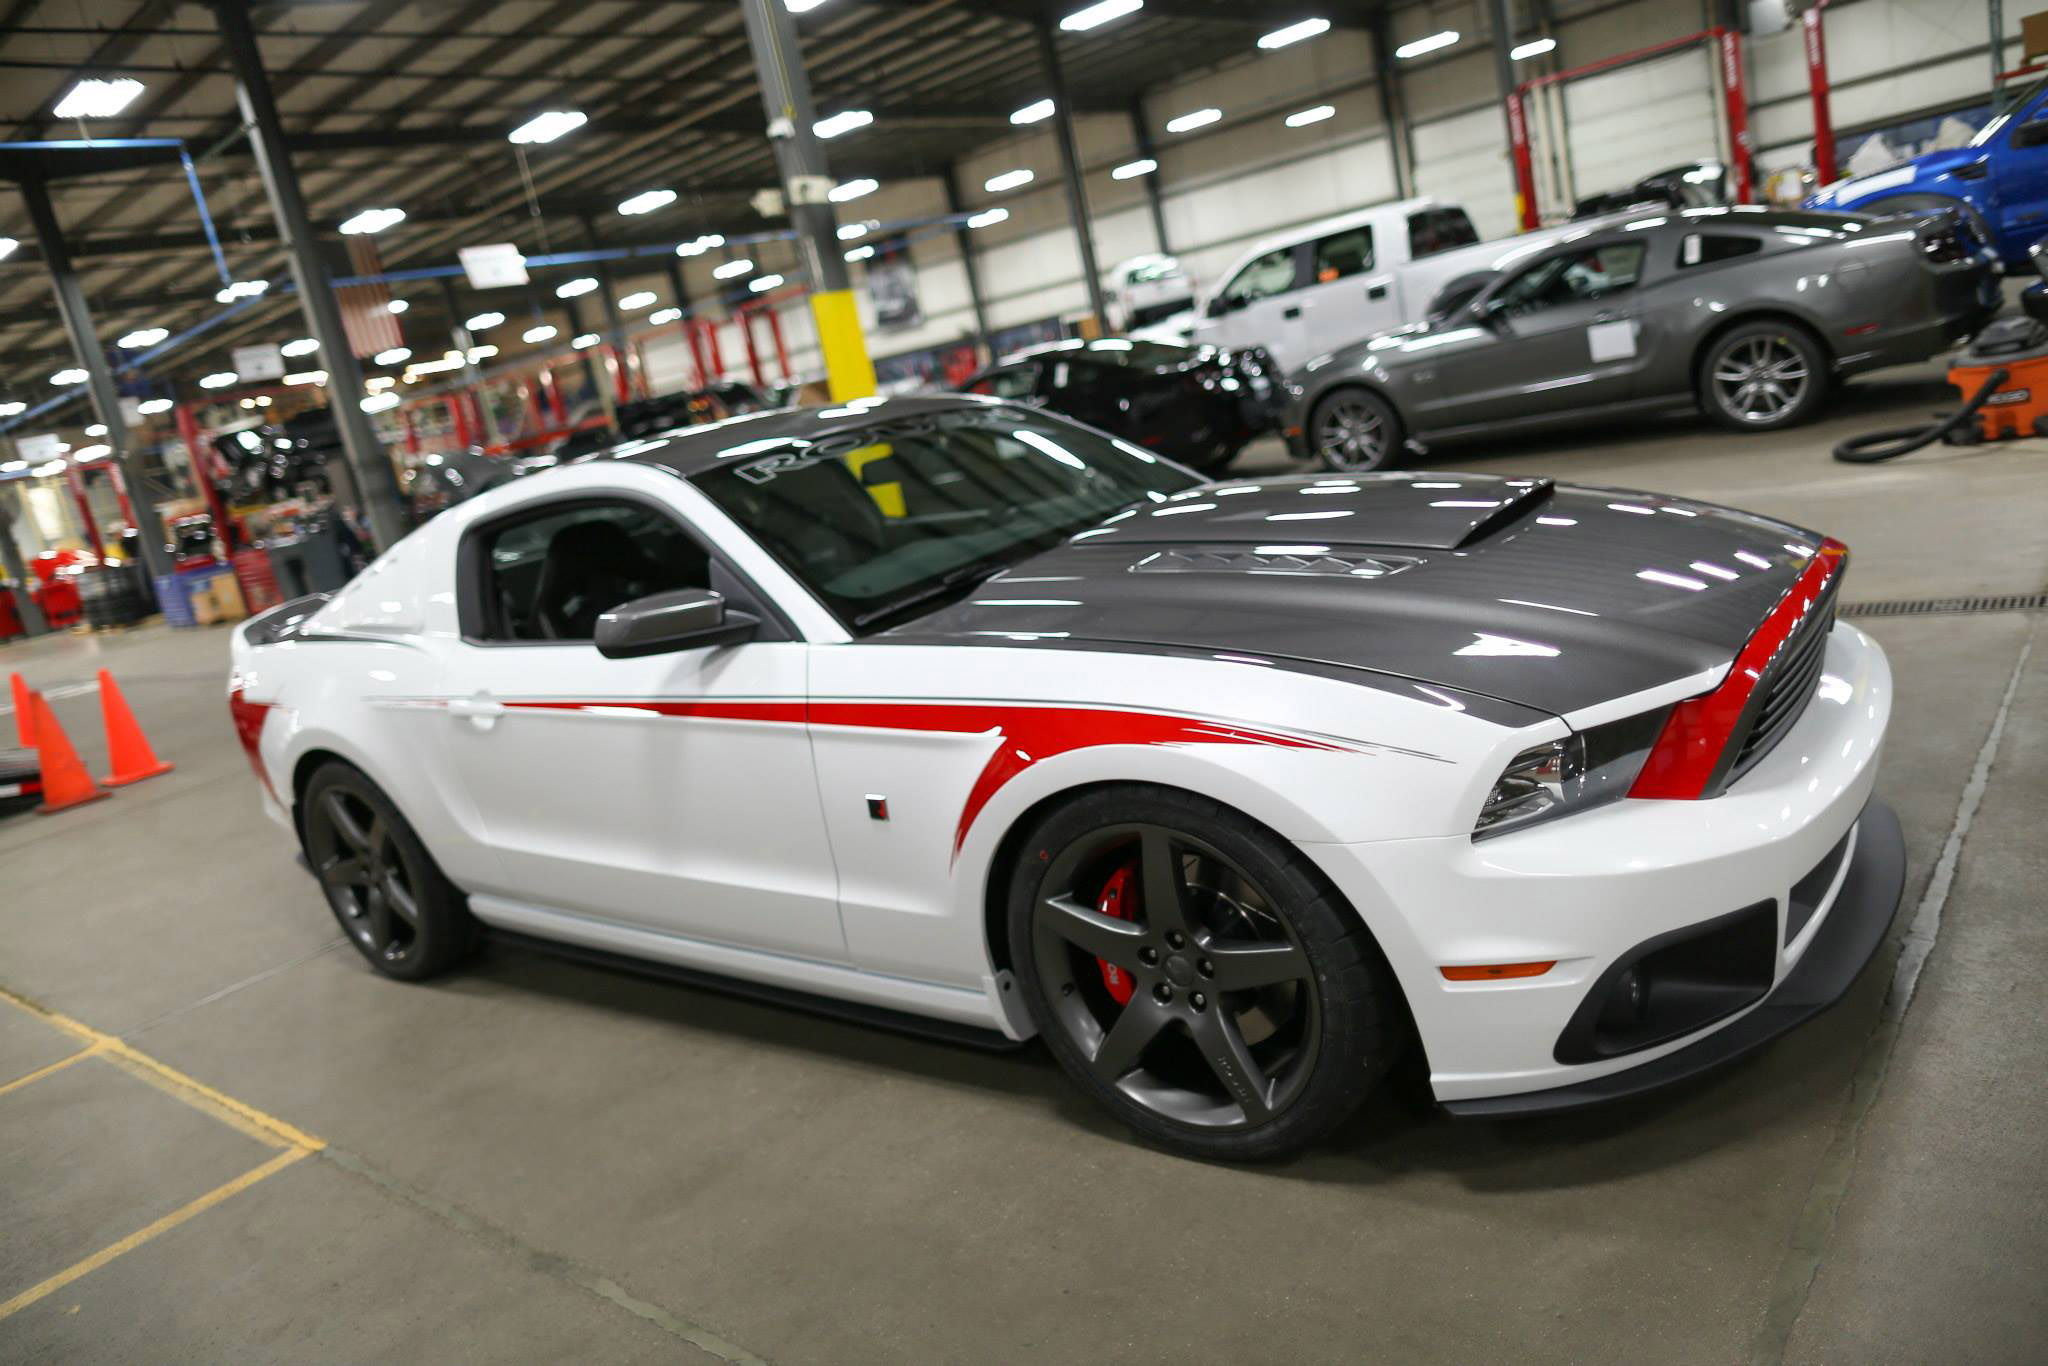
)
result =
(878, 807)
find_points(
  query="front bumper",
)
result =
(1589, 892)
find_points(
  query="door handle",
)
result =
(1376, 292)
(481, 711)
(1291, 314)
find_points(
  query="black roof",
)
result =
(688, 451)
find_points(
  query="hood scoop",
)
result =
(1225, 561)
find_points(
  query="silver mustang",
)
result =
(1747, 313)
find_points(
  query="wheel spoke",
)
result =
(1125, 1043)
(1241, 967)
(399, 897)
(345, 870)
(1108, 938)
(1160, 880)
(345, 823)
(377, 913)
(1223, 1048)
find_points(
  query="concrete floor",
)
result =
(536, 1161)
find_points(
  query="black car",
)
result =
(1197, 404)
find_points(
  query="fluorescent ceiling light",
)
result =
(860, 253)
(539, 334)
(150, 407)
(1304, 117)
(93, 452)
(1081, 20)
(54, 468)
(241, 289)
(393, 356)
(96, 429)
(1429, 44)
(219, 379)
(586, 340)
(644, 298)
(801, 6)
(141, 337)
(377, 403)
(764, 284)
(1294, 33)
(304, 346)
(845, 121)
(701, 245)
(1008, 180)
(13, 466)
(398, 305)
(13, 409)
(732, 268)
(7, 246)
(69, 375)
(377, 384)
(582, 284)
(97, 99)
(1186, 123)
(1534, 48)
(546, 127)
(662, 317)
(372, 221)
(1131, 170)
(1036, 112)
(988, 218)
(484, 352)
(484, 320)
(851, 231)
(306, 377)
(851, 189)
(647, 201)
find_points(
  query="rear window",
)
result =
(1435, 230)
(1705, 248)
(1343, 254)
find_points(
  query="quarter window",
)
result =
(1343, 254)
(550, 575)
(1577, 277)
(1705, 248)
(1270, 274)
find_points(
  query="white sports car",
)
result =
(954, 715)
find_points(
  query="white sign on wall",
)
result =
(496, 265)
(39, 447)
(259, 362)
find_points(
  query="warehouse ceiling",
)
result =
(405, 102)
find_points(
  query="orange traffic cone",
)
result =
(65, 781)
(128, 752)
(24, 718)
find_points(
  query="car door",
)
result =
(1557, 335)
(1258, 306)
(2022, 172)
(1347, 296)
(1086, 390)
(673, 792)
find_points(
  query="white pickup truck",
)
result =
(1328, 284)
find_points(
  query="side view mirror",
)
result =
(1221, 305)
(660, 623)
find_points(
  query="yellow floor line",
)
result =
(246, 1118)
(58, 1066)
(143, 1235)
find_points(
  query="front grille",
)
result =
(1789, 685)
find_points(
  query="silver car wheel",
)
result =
(1760, 380)
(1350, 435)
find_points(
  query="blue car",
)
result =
(1999, 181)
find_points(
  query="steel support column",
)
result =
(806, 182)
(963, 237)
(32, 623)
(376, 481)
(1070, 169)
(85, 343)
(1141, 137)
(1393, 108)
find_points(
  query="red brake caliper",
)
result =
(1119, 898)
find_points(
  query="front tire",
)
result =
(1193, 974)
(402, 915)
(1353, 430)
(1762, 377)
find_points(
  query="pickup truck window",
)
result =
(1573, 277)
(1270, 274)
(1343, 253)
(1433, 230)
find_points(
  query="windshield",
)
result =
(2012, 111)
(884, 522)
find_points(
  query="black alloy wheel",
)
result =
(1187, 969)
(1354, 430)
(397, 909)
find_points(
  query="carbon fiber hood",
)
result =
(1549, 596)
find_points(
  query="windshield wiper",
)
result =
(966, 577)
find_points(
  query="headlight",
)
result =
(1584, 769)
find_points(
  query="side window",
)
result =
(549, 576)
(1705, 248)
(1342, 254)
(1012, 381)
(1576, 277)
(1077, 378)
(1433, 230)
(1270, 274)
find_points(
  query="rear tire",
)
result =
(1763, 376)
(1353, 430)
(1244, 1014)
(404, 917)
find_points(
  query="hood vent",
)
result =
(1273, 562)
(1511, 510)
